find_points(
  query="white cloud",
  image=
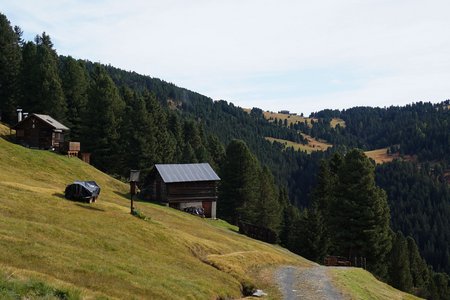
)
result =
(215, 47)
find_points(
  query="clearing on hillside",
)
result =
(294, 118)
(380, 156)
(313, 144)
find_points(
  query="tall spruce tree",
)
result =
(10, 63)
(49, 97)
(166, 143)
(360, 220)
(138, 141)
(102, 122)
(418, 268)
(314, 242)
(75, 82)
(238, 191)
(268, 213)
(399, 267)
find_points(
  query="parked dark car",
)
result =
(197, 211)
(86, 191)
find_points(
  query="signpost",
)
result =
(134, 179)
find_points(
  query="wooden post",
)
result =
(134, 179)
(132, 193)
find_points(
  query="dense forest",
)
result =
(130, 121)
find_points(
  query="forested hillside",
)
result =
(131, 121)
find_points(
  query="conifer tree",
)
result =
(217, 152)
(268, 213)
(102, 121)
(165, 145)
(50, 96)
(137, 133)
(10, 62)
(289, 219)
(360, 221)
(75, 82)
(399, 271)
(418, 268)
(314, 242)
(238, 191)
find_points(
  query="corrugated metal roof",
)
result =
(52, 122)
(186, 172)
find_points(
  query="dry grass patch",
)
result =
(5, 132)
(381, 156)
(337, 121)
(313, 144)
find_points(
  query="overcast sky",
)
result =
(301, 56)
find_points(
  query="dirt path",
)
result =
(306, 283)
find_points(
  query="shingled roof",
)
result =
(186, 172)
(50, 121)
(47, 119)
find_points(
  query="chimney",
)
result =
(19, 114)
(24, 115)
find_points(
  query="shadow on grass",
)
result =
(90, 207)
(125, 195)
(137, 199)
(59, 195)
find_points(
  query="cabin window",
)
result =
(57, 136)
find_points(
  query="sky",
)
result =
(302, 56)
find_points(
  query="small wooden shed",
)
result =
(185, 185)
(40, 131)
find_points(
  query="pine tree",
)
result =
(137, 134)
(418, 268)
(102, 121)
(10, 62)
(314, 241)
(166, 143)
(399, 268)
(268, 213)
(50, 96)
(238, 191)
(75, 82)
(217, 152)
(360, 224)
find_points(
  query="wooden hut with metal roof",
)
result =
(40, 131)
(185, 185)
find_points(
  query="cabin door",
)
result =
(207, 208)
(34, 137)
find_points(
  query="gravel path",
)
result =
(306, 283)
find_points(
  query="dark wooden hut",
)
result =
(185, 185)
(40, 131)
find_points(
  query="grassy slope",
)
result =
(380, 155)
(103, 250)
(313, 144)
(360, 284)
(100, 250)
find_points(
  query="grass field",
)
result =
(313, 144)
(52, 248)
(380, 155)
(336, 121)
(360, 284)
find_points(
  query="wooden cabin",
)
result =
(185, 185)
(41, 132)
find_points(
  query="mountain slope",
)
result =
(100, 250)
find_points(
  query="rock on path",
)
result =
(306, 283)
